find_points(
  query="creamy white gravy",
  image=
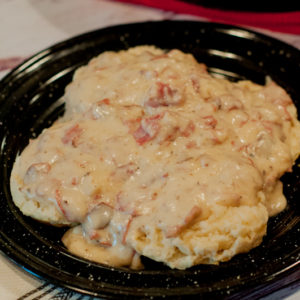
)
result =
(156, 157)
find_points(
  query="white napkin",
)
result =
(16, 284)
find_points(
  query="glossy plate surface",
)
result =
(29, 102)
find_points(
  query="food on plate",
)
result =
(155, 157)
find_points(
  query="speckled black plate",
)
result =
(29, 102)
